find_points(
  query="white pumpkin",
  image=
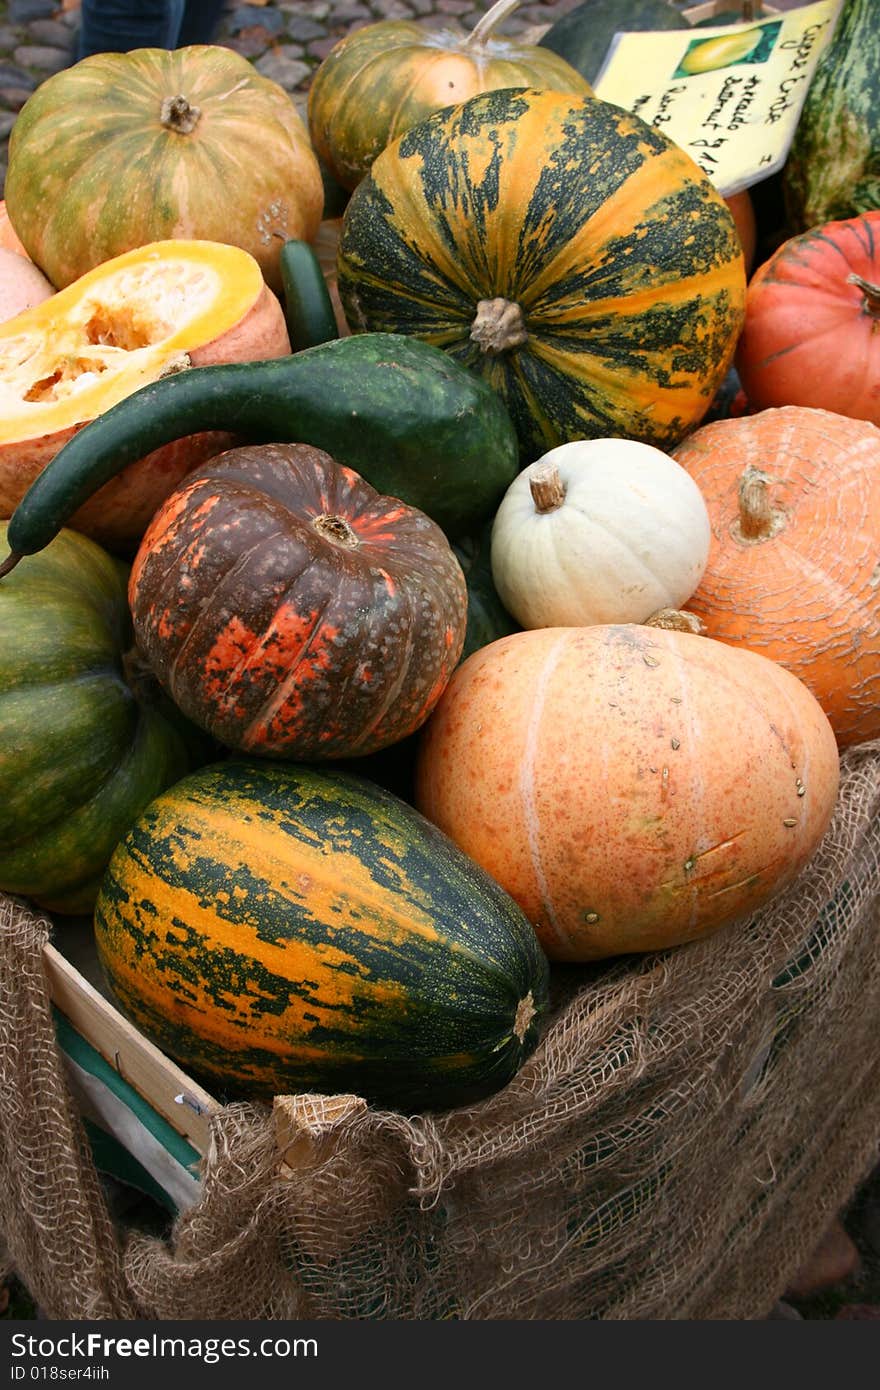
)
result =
(599, 531)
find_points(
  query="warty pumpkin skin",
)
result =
(632, 788)
(292, 611)
(574, 257)
(794, 500)
(282, 929)
(87, 738)
(155, 310)
(122, 149)
(812, 330)
(381, 80)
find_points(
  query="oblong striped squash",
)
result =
(277, 929)
(576, 258)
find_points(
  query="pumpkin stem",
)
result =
(484, 28)
(498, 326)
(871, 293)
(757, 520)
(337, 530)
(9, 563)
(525, 1012)
(176, 114)
(751, 9)
(676, 620)
(547, 488)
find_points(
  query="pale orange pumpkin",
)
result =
(22, 285)
(158, 309)
(9, 239)
(794, 564)
(632, 788)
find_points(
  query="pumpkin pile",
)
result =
(383, 625)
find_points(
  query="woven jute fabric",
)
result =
(675, 1148)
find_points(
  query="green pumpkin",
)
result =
(584, 35)
(86, 737)
(833, 168)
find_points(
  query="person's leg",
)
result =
(117, 26)
(200, 21)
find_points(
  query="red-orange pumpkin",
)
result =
(794, 564)
(812, 330)
(632, 788)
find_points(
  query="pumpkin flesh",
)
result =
(146, 314)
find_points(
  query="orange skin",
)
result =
(806, 595)
(632, 788)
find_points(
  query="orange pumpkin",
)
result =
(632, 788)
(140, 316)
(794, 497)
(381, 80)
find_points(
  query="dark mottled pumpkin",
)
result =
(577, 259)
(292, 610)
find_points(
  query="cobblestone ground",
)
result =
(286, 40)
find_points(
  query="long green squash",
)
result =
(833, 168)
(276, 929)
(413, 423)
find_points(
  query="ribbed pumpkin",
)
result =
(86, 736)
(794, 566)
(141, 316)
(383, 79)
(127, 148)
(812, 329)
(278, 929)
(574, 257)
(291, 610)
(632, 788)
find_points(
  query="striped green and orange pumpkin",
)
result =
(277, 929)
(128, 148)
(576, 258)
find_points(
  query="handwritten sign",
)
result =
(731, 96)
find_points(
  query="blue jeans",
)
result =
(116, 26)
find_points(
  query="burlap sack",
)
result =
(674, 1149)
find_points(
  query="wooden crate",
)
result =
(148, 1121)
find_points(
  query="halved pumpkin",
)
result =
(155, 310)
